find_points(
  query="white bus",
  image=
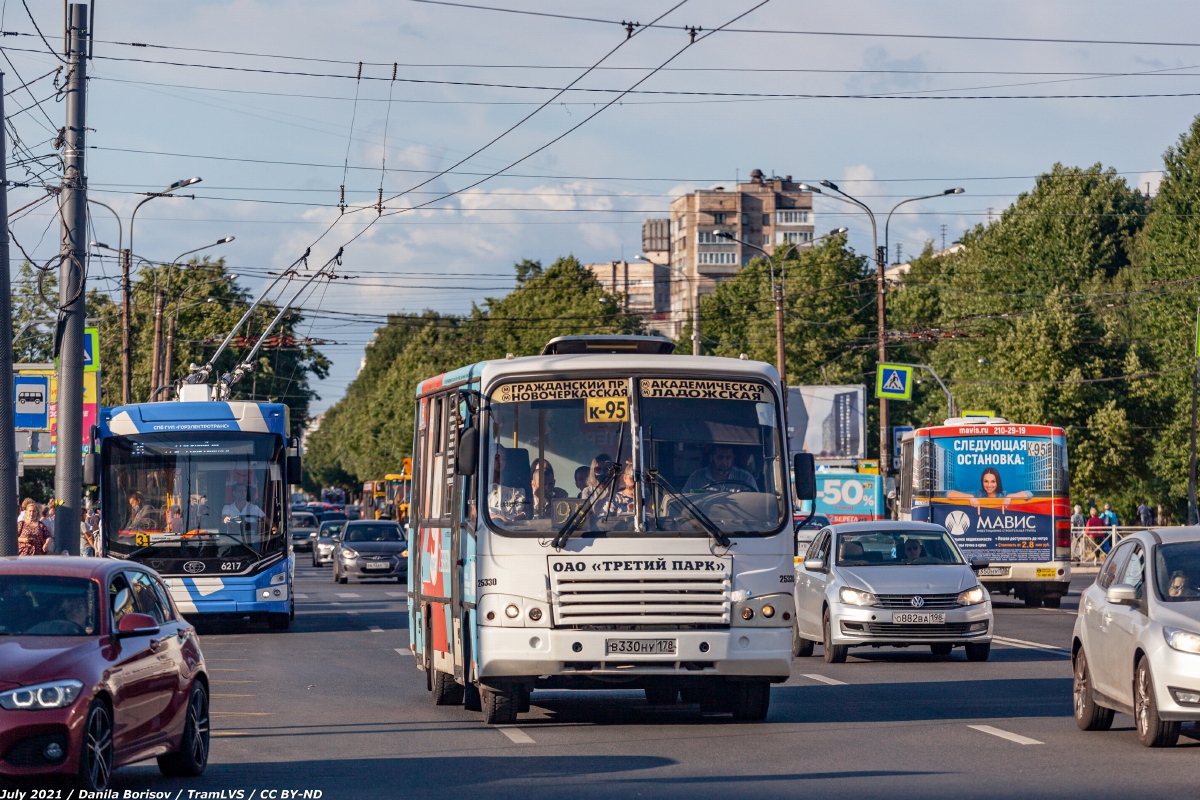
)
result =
(603, 516)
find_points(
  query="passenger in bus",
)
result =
(720, 475)
(581, 479)
(246, 511)
(990, 487)
(622, 499)
(544, 488)
(508, 497)
(601, 465)
(139, 513)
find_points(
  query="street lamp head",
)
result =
(955, 190)
(804, 187)
(210, 299)
(182, 182)
(829, 185)
(226, 240)
(101, 245)
(837, 231)
(723, 234)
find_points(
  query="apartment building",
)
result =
(767, 212)
(644, 283)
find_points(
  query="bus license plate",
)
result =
(918, 618)
(640, 647)
(993, 572)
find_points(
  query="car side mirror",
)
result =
(335, 538)
(979, 563)
(804, 472)
(467, 456)
(134, 624)
(312, 535)
(1122, 594)
(814, 564)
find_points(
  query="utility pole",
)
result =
(8, 445)
(156, 356)
(126, 342)
(1192, 516)
(68, 460)
(885, 444)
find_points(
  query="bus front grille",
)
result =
(621, 600)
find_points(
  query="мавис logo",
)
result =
(958, 523)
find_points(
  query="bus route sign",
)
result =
(893, 382)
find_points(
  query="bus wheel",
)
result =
(1052, 602)
(499, 708)
(749, 700)
(1031, 602)
(446, 691)
(279, 622)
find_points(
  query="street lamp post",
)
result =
(888, 222)
(126, 254)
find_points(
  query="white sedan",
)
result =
(890, 584)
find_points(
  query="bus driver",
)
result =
(720, 475)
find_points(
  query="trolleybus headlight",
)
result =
(768, 611)
(278, 577)
(747, 613)
(973, 596)
(535, 614)
(511, 611)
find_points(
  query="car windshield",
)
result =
(372, 532)
(330, 529)
(46, 605)
(1177, 572)
(304, 521)
(193, 495)
(896, 549)
(563, 450)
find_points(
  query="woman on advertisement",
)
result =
(990, 488)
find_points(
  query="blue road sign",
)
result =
(31, 402)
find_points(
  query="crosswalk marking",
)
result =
(396, 594)
(347, 594)
(375, 629)
(300, 596)
(1021, 643)
(823, 679)
(516, 735)
(1012, 737)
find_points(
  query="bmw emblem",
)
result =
(193, 567)
(917, 601)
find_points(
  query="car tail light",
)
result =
(1062, 531)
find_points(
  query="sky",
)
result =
(263, 100)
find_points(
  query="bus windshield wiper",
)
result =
(583, 509)
(716, 533)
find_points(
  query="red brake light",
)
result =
(1062, 536)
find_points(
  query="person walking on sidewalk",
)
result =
(1145, 514)
(32, 537)
(1078, 520)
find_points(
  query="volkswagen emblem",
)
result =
(193, 567)
(916, 602)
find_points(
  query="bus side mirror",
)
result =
(467, 456)
(295, 473)
(804, 472)
(91, 470)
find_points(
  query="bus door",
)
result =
(434, 544)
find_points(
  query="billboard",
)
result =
(849, 496)
(828, 421)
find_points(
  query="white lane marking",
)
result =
(1012, 737)
(355, 613)
(1029, 645)
(403, 652)
(347, 594)
(516, 735)
(396, 594)
(823, 679)
(299, 596)
(375, 629)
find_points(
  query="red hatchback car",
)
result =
(97, 669)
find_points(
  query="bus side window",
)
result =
(467, 484)
(434, 468)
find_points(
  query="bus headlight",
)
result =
(278, 577)
(511, 611)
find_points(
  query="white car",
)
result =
(891, 584)
(1136, 647)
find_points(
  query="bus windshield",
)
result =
(196, 495)
(708, 452)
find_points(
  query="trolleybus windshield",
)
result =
(708, 453)
(195, 495)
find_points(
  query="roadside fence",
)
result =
(1091, 545)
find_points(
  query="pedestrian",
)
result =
(32, 537)
(48, 517)
(1078, 520)
(1095, 528)
(88, 530)
(1109, 516)
(1145, 514)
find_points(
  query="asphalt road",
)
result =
(337, 705)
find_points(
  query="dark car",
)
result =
(370, 549)
(323, 541)
(332, 516)
(353, 512)
(97, 670)
(303, 526)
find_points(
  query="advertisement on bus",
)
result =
(997, 490)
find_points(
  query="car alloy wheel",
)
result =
(96, 758)
(1088, 715)
(192, 757)
(1151, 730)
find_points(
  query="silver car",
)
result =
(891, 584)
(1136, 647)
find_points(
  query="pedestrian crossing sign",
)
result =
(893, 382)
